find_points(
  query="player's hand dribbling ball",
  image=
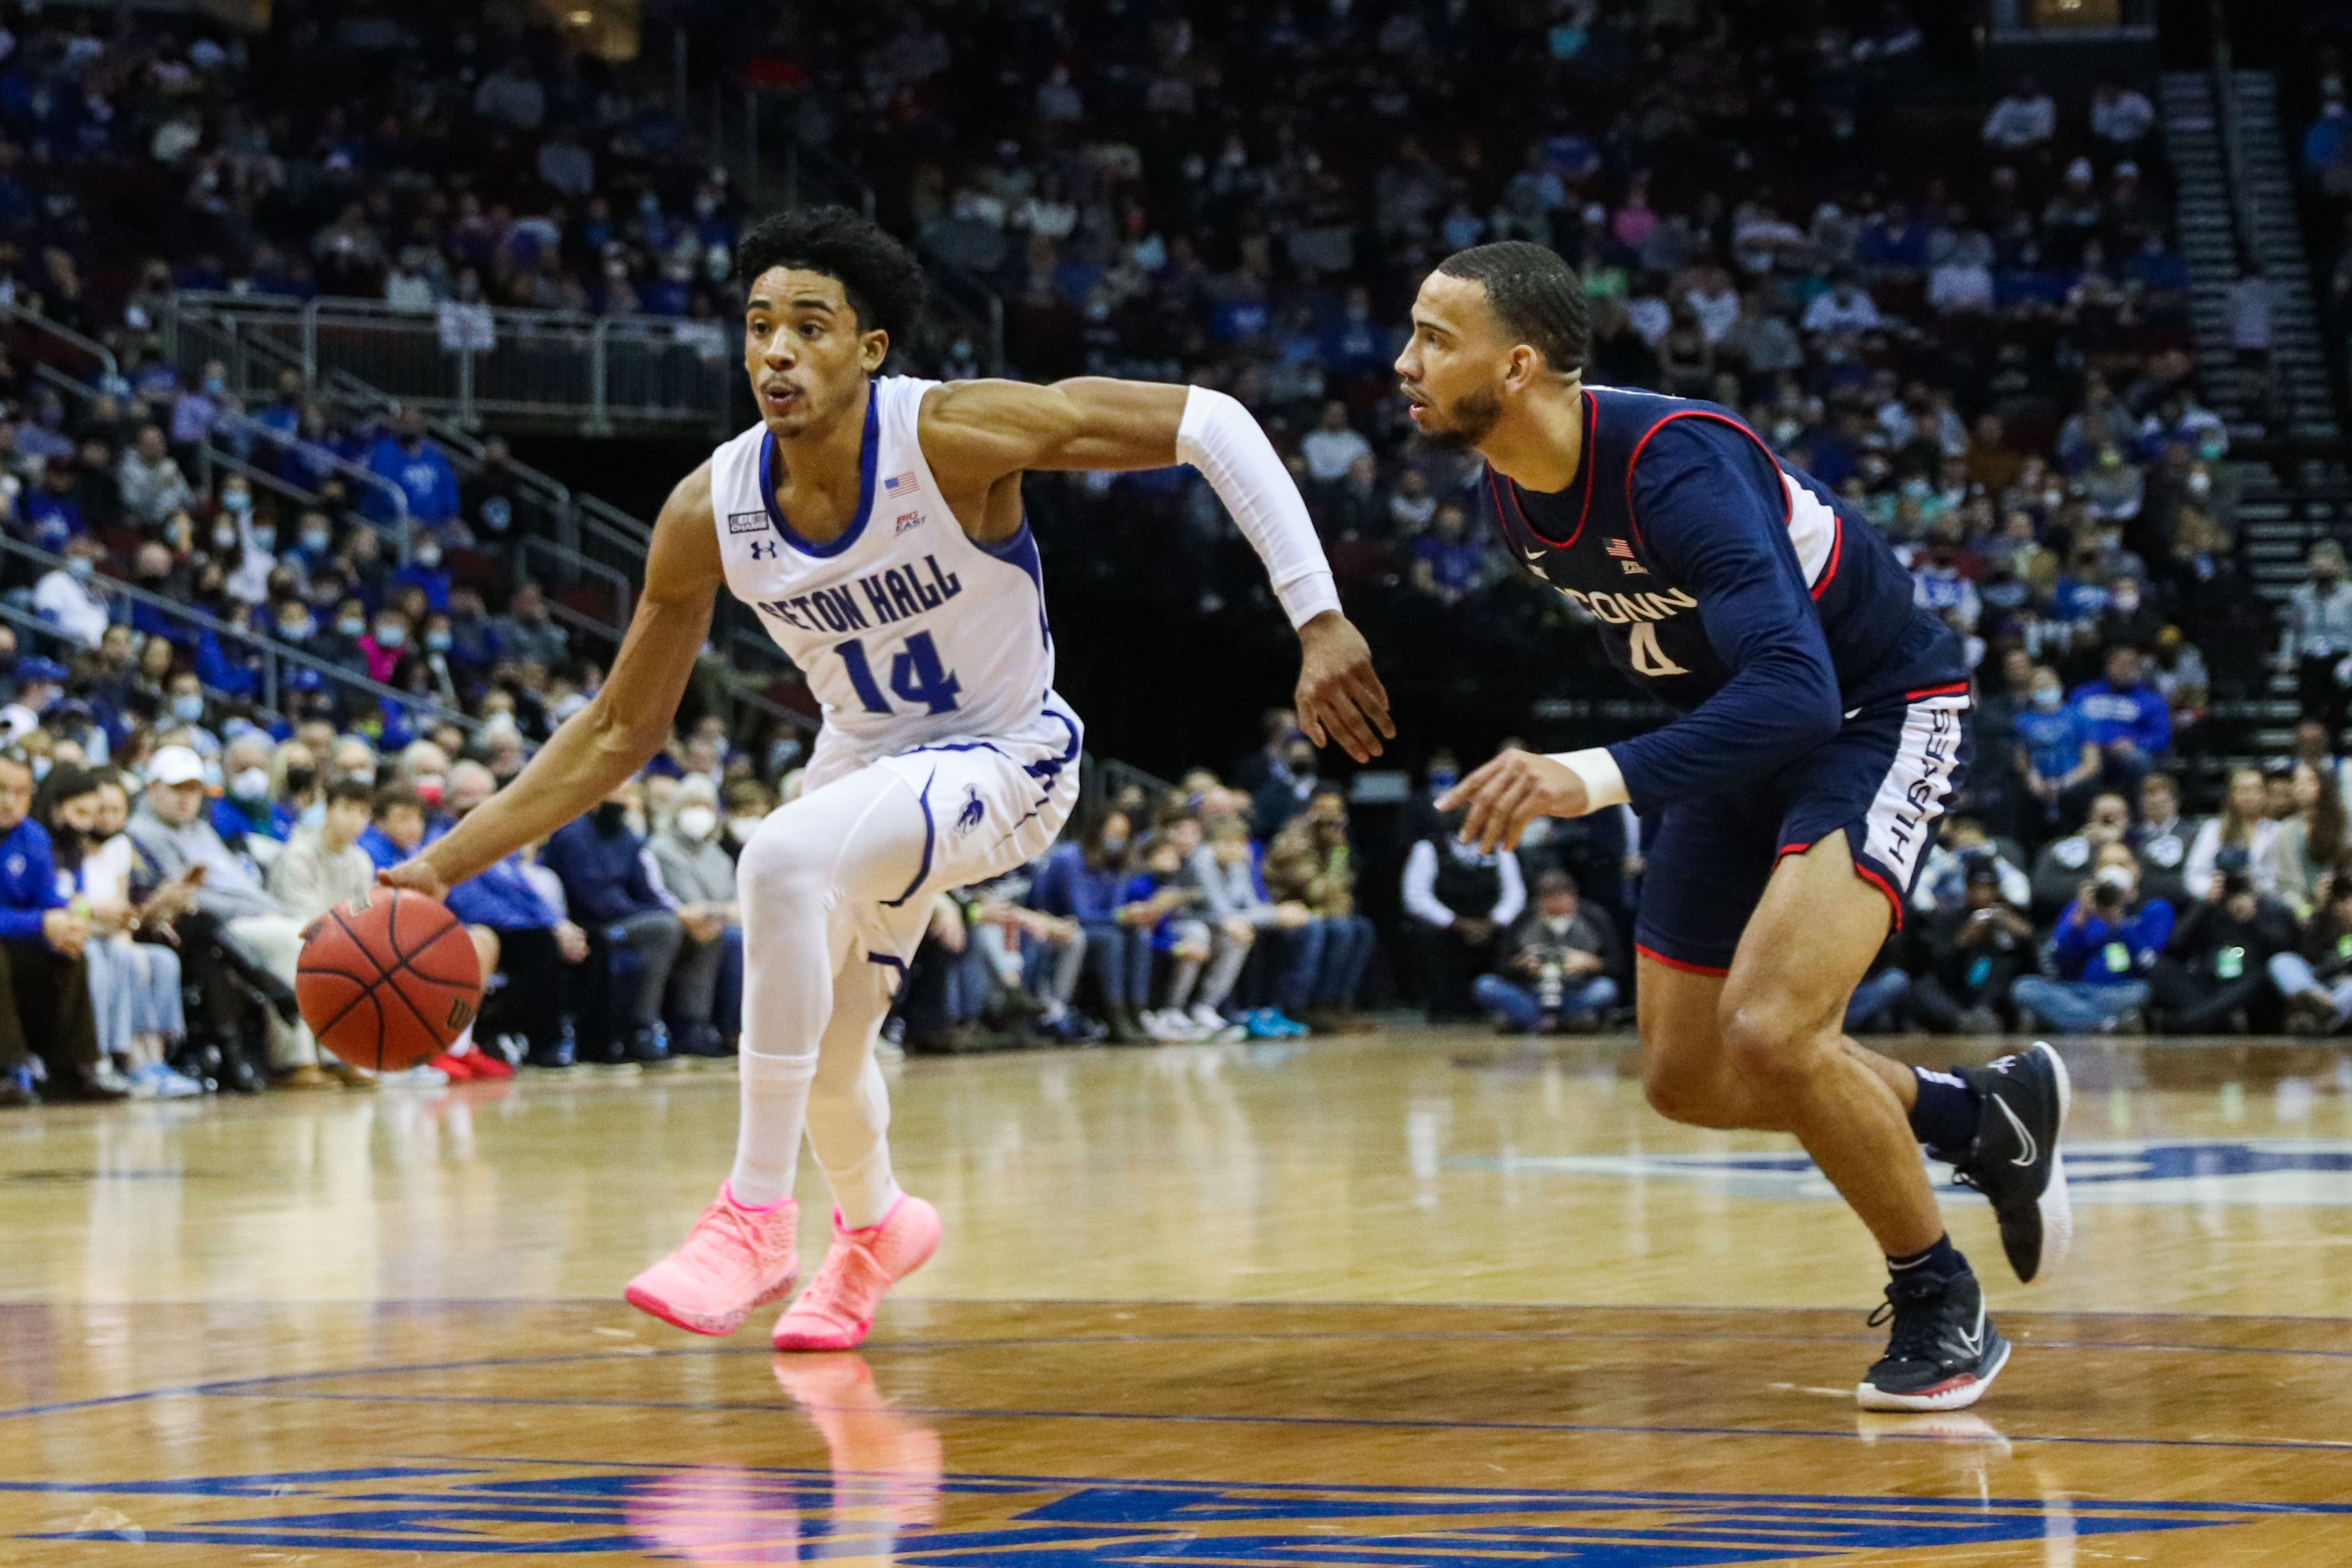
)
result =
(388, 980)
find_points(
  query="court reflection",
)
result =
(886, 1472)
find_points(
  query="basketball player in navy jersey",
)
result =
(1822, 724)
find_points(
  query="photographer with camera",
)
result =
(1563, 965)
(2107, 944)
(2215, 974)
(1971, 956)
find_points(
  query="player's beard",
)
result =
(1467, 421)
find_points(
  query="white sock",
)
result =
(773, 1100)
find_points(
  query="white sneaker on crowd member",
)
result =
(1215, 1025)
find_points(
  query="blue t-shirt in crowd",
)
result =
(1452, 563)
(2052, 740)
(2136, 714)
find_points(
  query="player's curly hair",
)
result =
(883, 280)
(1538, 297)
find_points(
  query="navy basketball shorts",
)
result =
(1882, 781)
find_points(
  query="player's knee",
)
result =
(1766, 1042)
(779, 863)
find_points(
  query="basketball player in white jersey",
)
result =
(876, 524)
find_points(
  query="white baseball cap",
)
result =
(175, 766)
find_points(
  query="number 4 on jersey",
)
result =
(916, 675)
(1649, 659)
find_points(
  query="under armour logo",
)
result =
(763, 549)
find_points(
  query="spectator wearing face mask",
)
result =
(246, 543)
(701, 875)
(176, 842)
(68, 598)
(425, 572)
(1562, 964)
(246, 815)
(41, 682)
(2055, 753)
(405, 458)
(538, 949)
(1459, 897)
(2317, 644)
(343, 642)
(2059, 870)
(633, 930)
(2126, 718)
(44, 995)
(2107, 943)
(1285, 794)
(385, 644)
(185, 708)
(1083, 882)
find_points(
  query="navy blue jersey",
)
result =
(1737, 590)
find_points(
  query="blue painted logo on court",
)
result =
(2269, 1172)
(722, 1514)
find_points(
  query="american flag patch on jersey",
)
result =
(900, 486)
(1622, 550)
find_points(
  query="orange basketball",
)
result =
(388, 980)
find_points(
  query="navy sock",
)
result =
(1941, 1261)
(1945, 1117)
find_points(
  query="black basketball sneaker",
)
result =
(2014, 1160)
(1942, 1353)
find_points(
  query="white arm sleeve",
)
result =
(1219, 437)
(1421, 885)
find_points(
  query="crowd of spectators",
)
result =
(2124, 911)
(1961, 309)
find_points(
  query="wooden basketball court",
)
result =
(1424, 1299)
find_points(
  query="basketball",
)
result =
(388, 980)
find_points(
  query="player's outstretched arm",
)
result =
(598, 749)
(975, 433)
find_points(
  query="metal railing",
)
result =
(271, 655)
(590, 373)
(582, 537)
(2245, 207)
(756, 144)
(73, 340)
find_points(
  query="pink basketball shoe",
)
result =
(734, 1260)
(837, 1309)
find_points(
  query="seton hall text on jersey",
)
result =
(897, 594)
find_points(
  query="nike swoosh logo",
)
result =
(1531, 557)
(2032, 1150)
(1974, 1340)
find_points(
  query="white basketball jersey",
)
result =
(908, 631)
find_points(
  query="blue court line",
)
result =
(1377, 1489)
(2300, 1445)
(237, 1386)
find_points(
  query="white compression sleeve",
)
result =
(1219, 437)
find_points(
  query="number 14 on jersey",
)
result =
(916, 675)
